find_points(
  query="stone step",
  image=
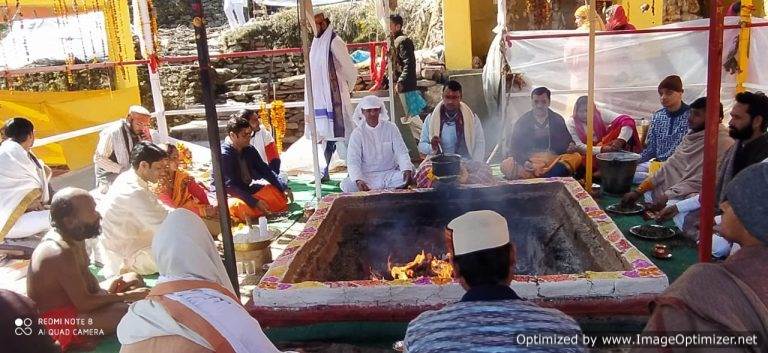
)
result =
(242, 81)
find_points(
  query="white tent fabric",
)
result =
(628, 68)
(54, 38)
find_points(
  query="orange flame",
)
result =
(423, 265)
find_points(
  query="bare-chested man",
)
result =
(71, 301)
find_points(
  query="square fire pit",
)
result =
(570, 254)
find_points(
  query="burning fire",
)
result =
(423, 265)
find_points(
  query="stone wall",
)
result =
(174, 13)
(355, 22)
(60, 81)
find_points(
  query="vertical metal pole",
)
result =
(152, 67)
(590, 95)
(212, 119)
(310, 112)
(714, 77)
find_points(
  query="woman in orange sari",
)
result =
(178, 189)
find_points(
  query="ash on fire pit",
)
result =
(373, 232)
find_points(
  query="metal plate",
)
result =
(652, 231)
(633, 210)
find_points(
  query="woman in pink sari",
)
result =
(618, 134)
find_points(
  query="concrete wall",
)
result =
(457, 31)
(483, 15)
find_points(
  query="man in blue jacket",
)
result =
(244, 174)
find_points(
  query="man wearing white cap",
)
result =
(377, 157)
(490, 317)
(113, 152)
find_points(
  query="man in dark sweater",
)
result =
(242, 169)
(540, 144)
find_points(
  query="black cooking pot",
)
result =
(446, 166)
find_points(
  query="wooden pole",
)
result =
(590, 95)
(305, 5)
(212, 120)
(714, 77)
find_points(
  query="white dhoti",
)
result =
(390, 179)
(376, 155)
(140, 262)
(130, 216)
(23, 180)
(30, 223)
(235, 11)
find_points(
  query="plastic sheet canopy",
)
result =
(628, 68)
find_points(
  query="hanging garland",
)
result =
(185, 156)
(109, 5)
(278, 123)
(153, 26)
(274, 121)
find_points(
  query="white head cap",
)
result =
(478, 230)
(369, 102)
(137, 109)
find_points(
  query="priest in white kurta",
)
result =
(377, 157)
(131, 214)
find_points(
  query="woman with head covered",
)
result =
(193, 308)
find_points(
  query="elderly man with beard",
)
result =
(69, 298)
(748, 125)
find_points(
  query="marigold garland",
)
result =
(274, 120)
(264, 115)
(185, 156)
(277, 120)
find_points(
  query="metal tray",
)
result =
(616, 209)
(661, 232)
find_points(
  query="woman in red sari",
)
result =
(616, 135)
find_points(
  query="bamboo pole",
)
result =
(714, 78)
(310, 111)
(590, 96)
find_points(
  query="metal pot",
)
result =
(446, 166)
(617, 170)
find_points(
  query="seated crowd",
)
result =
(153, 216)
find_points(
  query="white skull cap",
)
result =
(478, 230)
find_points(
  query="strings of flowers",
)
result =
(274, 120)
(277, 121)
(185, 156)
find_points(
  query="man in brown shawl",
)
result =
(748, 125)
(732, 296)
(680, 177)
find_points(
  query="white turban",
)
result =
(369, 102)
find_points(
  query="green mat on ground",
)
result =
(684, 251)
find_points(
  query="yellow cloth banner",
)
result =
(55, 113)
